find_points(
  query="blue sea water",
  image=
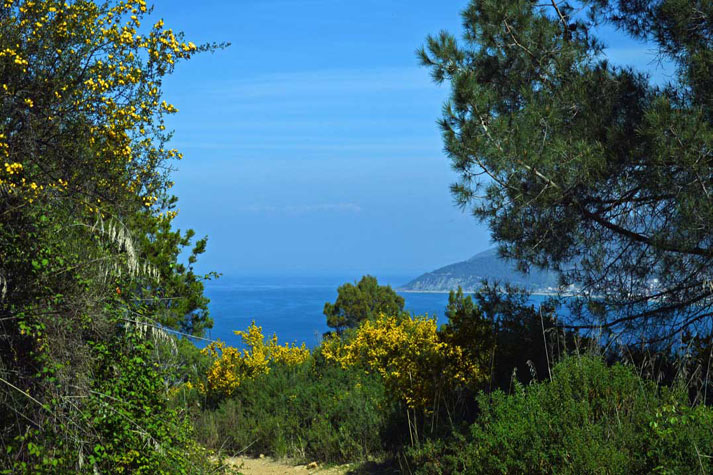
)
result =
(292, 307)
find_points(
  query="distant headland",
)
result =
(486, 265)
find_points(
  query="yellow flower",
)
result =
(409, 355)
(230, 367)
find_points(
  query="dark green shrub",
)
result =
(306, 412)
(589, 419)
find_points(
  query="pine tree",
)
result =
(360, 301)
(585, 167)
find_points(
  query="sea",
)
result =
(291, 306)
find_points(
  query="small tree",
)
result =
(358, 302)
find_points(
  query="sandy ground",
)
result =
(269, 466)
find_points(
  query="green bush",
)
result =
(589, 419)
(123, 424)
(308, 412)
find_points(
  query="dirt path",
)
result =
(269, 466)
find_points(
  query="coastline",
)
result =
(472, 291)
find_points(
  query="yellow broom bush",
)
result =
(409, 354)
(231, 366)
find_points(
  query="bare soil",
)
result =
(270, 466)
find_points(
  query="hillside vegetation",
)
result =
(499, 389)
(91, 287)
(484, 266)
(584, 163)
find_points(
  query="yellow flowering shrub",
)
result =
(231, 366)
(88, 256)
(409, 354)
(107, 69)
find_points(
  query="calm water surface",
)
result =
(292, 306)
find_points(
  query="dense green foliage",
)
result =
(127, 410)
(90, 278)
(598, 173)
(309, 412)
(589, 418)
(358, 302)
(584, 167)
(591, 166)
(508, 335)
(549, 402)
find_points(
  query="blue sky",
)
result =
(311, 143)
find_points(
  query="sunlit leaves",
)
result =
(231, 366)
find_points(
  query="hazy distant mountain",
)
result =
(486, 265)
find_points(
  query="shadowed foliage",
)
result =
(583, 167)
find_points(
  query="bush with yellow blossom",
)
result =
(408, 352)
(89, 259)
(231, 366)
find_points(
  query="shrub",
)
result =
(230, 366)
(88, 251)
(589, 419)
(306, 411)
(409, 354)
(127, 412)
